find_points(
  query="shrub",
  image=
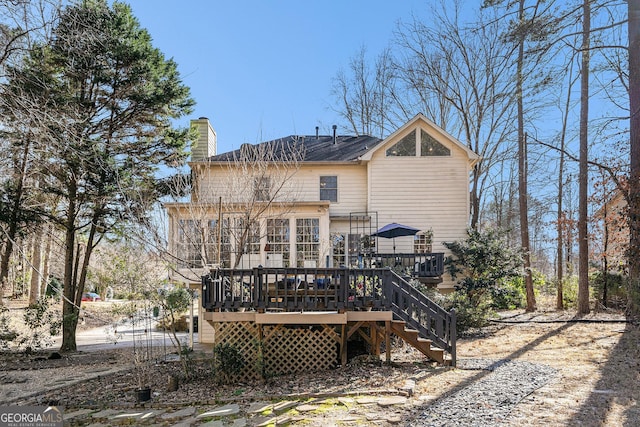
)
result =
(43, 322)
(228, 362)
(509, 296)
(570, 292)
(469, 314)
(7, 333)
(615, 285)
(490, 274)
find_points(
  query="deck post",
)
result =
(375, 342)
(453, 337)
(387, 339)
(343, 345)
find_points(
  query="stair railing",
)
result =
(421, 313)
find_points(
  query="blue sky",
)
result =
(262, 69)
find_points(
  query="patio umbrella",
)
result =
(393, 230)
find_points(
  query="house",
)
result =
(315, 200)
(312, 204)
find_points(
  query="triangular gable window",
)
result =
(430, 147)
(405, 147)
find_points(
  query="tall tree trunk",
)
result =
(583, 242)
(12, 231)
(475, 200)
(560, 247)
(70, 310)
(47, 258)
(561, 218)
(522, 172)
(605, 250)
(36, 267)
(634, 141)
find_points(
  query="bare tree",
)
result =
(22, 23)
(364, 96)
(583, 242)
(459, 74)
(231, 196)
(634, 142)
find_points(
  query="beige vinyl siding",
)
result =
(214, 181)
(303, 186)
(352, 186)
(206, 332)
(423, 192)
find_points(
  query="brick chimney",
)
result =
(206, 144)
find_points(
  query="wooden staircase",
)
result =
(422, 323)
(424, 345)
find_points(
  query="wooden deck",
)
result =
(306, 318)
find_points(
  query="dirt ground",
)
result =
(597, 358)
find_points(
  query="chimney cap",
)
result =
(203, 118)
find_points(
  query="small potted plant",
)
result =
(143, 392)
(366, 289)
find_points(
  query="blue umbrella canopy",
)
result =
(393, 230)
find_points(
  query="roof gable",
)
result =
(438, 133)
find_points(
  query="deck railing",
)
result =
(294, 289)
(330, 289)
(422, 314)
(410, 264)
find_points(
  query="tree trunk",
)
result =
(475, 200)
(583, 177)
(70, 310)
(605, 261)
(561, 218)
(522, 173)
(36, 267)
(633, 306)
(47, 258)
(560, 251)
(12, 232)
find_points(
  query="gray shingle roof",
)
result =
(320, 149)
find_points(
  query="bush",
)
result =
(469, 314)
(509, 296)
(490, 274)
(228, 362)
(42, 321)
(7, 333)
(570, 292)
(616, 288)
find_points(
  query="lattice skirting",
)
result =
(282, 349)
(244, 336)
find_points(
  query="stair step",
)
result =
(424, 345)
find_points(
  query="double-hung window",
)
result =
(329, 188)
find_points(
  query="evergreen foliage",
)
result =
(490, 276)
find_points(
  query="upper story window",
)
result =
(430, 147)
(405, 147)
(262, 189)
(329, 188)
